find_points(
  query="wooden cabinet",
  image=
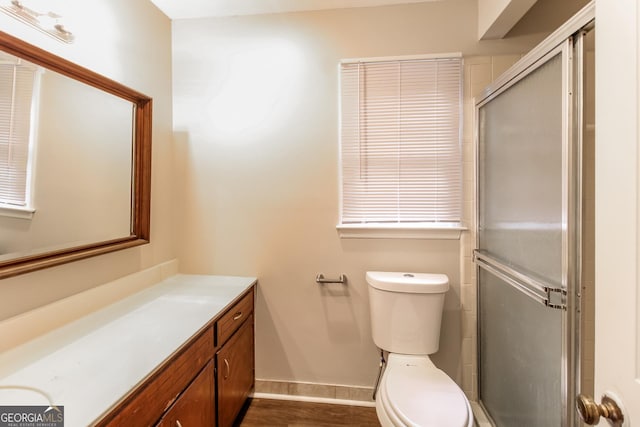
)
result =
(233, 318)
(193, 407)
(235, 362)
(209, 379)
(146, 404)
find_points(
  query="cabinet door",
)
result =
(147, 404)
(235, 362)
(195, 407)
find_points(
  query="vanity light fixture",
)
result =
(47, 22)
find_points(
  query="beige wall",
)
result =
(254, 169)
(128, 41)
(256, 125)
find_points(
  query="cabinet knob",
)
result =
(178, 423)
(237, 316)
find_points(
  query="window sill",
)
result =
(16, 211)
(400, 231)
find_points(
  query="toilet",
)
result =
(406, 313)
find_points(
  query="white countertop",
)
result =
(90, 364)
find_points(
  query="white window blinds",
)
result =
(400, 141)
(16, 94)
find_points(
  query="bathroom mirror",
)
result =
(88, 168)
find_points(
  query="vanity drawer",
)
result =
(233, 318)
(162, 389)
(193, 407)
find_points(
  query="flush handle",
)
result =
(590, 411)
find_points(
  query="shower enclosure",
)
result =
(531, 130)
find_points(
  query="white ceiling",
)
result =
(183, 9)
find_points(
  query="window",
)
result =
(17, 82)
(400, 133)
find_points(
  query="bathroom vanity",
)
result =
(179, 353)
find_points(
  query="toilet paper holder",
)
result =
(320, 279)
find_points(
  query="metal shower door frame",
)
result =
(567, 41)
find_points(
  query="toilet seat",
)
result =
(414, 392)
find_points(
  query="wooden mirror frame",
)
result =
(141, 164)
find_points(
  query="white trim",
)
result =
(400, 231)
(403, 57)
(12, 211)
(312, 399)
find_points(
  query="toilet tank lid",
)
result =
(418, 283)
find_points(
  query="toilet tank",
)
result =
(406, 310)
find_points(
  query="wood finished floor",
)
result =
(286, 413)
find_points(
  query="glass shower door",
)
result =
(524, 156)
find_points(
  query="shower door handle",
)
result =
(590, 411)
(543, 293)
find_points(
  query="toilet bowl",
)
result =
(406, 312)
(414, 392)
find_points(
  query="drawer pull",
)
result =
(178, 423)
(226, 364)
(237, 316)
